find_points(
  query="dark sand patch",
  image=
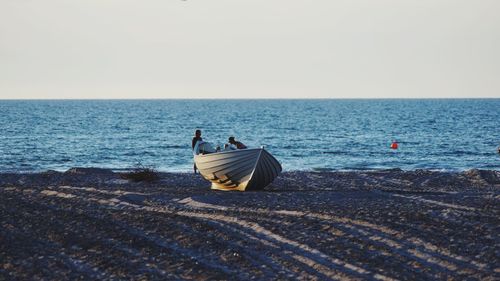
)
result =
(90, 224)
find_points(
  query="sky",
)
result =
(86, 49)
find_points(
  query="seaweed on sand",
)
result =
(141, 174)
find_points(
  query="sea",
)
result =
(305, 135)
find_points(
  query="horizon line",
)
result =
(219, 98)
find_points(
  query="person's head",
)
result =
(197, 133)
(231, 140)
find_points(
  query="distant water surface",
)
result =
(301, 134)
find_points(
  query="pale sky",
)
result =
(249, 49)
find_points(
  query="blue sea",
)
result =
(312, 135)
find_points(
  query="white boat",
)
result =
(242, 169)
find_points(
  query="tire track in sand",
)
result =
(411, 247)
(322, 264)
(414, 247)
(254, 256)
(209, 262)
(359, 239)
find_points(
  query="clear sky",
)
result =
(249, 48)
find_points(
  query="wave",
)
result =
(322, 169)
(172, 147)
(334, 152)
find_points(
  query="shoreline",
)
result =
(310, 170)
(407, 178)
(90, 223)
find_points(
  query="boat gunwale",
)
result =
(229, 151)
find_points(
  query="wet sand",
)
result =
(92, 224)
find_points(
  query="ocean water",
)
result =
(302, 134)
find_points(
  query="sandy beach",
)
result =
(385, 225)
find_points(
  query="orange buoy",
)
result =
(394, 145)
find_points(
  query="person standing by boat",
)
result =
(196, 138)
(238, 144)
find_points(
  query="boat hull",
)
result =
(245, 169)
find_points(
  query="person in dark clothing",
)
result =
(238, 144)
(196, 138)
